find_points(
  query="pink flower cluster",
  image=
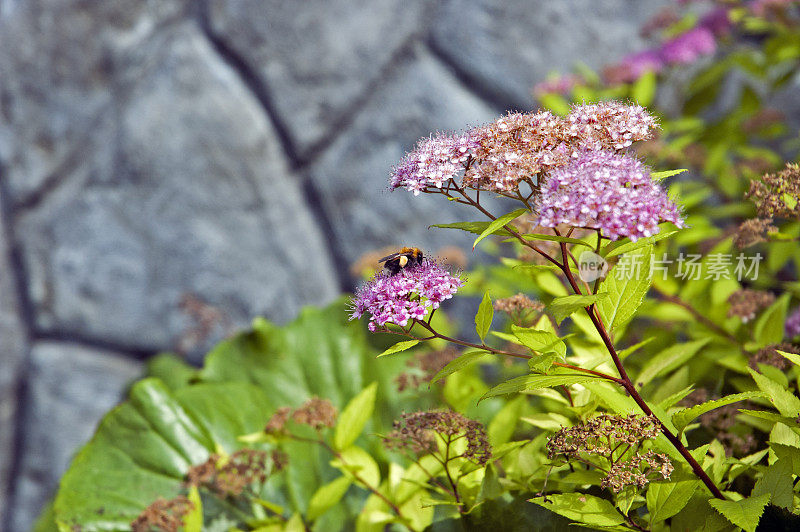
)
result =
(609, 125)
(518, 147)
(792, 324)
(433, 162)
(607, 191)
(409, 295)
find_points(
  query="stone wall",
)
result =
(230, 153)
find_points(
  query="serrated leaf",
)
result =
(784, 401)
(561, 307)
(669, 359)
(657, 176)
(585, 509)
(498, 224)
(627, 247)
(665, 499)
(542, 363)
(777, 483)
(354, 416)
(539, 341)
(475, 228)
(355, 461)
(533, 382)
(326, 497)
(683, 417)
(483, 319)
(548, 421)
(399, 347)
(626, 292)
(744, 513)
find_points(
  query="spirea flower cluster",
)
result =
(519, 147)
(416, 432)
(406, 296)
(606, 191)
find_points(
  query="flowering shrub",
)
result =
(625, 372)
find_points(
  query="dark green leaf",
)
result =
(555, 238)
(768, 329)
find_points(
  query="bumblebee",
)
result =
(405, 258)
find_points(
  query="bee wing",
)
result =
(389, 257)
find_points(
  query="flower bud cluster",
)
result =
(778, 195)
(316, 413)
(746, 303)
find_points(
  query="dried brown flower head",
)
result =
(416, 432)
(637, 471)
(616, 440)
(317, 413)
(769, 355)
(230, 476)
(778, 195)
(518, 303)
(746, 303)
(277, 423)
(751, 232)
(163, 515)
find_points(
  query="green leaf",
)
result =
(476, 228)
(789, 200)
(658, 176)
(683, 417)
(625, 353)
(193, 521)
(784, 401)
(354, 416)
(791, 357)
(626, 285)
(627, 247)
(356, 462)
(483, 319)
(498, 224)
(327, 496)
(528, 383)
(562, 307)
(777, 483)
(669, 359)
(643, 89)
(744, 513)
(768, 329)
(665, 499)
(399, 347)
(460, 363)
(539, 341)
(586, 509)
(502, 426)
(171, 369)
